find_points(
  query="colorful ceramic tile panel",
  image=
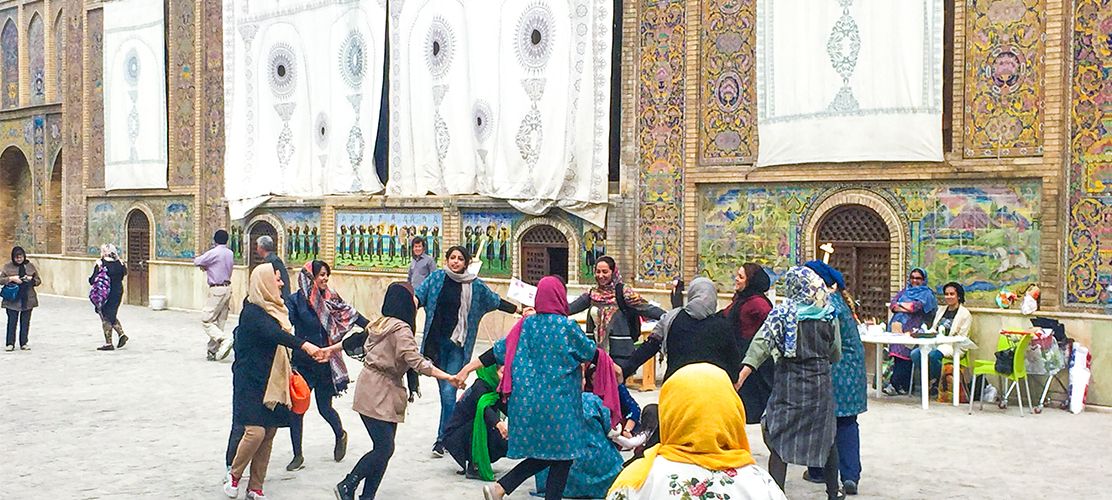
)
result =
(593, 247)
(489, 237)
(95, 150)
(302, 237)
(183, 90)
(106, 225)
(660, 138)
(1003, 82)
(59, 50)
(9, 59)
(1088, 273)
(75, 207)
(211, 208)
(174, 228)
(236, 238)
(378, 240)
(727, 131)
(36, 50)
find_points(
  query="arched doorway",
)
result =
(16, 199)
(259, 228)
(54, 208)
(544, 252)
(138, 252)
(862, 247)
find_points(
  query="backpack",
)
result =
(101, 286)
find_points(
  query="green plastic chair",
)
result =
(983, 368)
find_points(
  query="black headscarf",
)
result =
(756, 283)
(22, 270)
(398, 303)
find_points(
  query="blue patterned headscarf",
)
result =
(806, 295)
(922, 294)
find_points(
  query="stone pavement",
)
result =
(151, 421)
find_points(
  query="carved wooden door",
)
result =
(862, 249)
(258, 229)
(138, 253)
(544, 251)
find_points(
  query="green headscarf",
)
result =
(480, 454)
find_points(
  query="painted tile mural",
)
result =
(593, 247)
(95, 101)
(660, 138)
(106, 224)
(236, 237)
(377, 240)
(983, 236)
(728, 90)
(302, 235)
(173, 225)
(9, 59)
(36, 48)
(1004, 71)
(489, 236)
(1089, 245)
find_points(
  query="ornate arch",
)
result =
(561, 225)
(897, 229)
(146, 210)
(279, 243)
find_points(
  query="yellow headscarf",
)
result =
(702, 422)
(264, 292)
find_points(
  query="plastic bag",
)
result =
(989, 394)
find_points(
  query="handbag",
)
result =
(1005, 361)
(299, 394)
(10, 291)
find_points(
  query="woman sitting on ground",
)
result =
(703, 451)
(476, 434)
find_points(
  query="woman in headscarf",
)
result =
(691, 334)
(476, 434)
(592, 474)
(543, 381)
(747, 312)
(850, 381)
(800, 337)
(703, 450)
(320, 316)
(261, 377)
(454, 301)
(912, 308)
(114, 272)
(380, 392)
(614, 311)
(20, 273)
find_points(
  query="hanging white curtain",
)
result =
(303, 87)
(849, 80)
(134, 95)
(503, 98)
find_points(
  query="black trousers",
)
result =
(23, 318)
(557, 476)
(372, 466)
(779, 470)
(233, 443)
(324, 406)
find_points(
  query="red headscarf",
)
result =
(551, 298)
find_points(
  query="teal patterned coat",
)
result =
(593, 473)
(483, 300)
(850, 381)
(546, 405)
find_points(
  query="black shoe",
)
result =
(850, 487)
(812, 479)
(438, 451)
(341, 448)
(472, 472)
(345, 490)
(123, 340)
(107, 347)
(297, 463)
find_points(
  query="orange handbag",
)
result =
(299, 394)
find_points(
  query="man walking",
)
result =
(265, 248)
(422, 265)
(217, 265)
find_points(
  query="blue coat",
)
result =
(593, 473)
(850, 381)
(483, 300)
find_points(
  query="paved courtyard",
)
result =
(151, 421)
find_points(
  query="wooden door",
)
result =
(260, 228)
(535, 264)
(544, 252)
(862, 249)
(138, 253)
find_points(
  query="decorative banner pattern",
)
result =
(849, 80)
(660, 139)
(984, 236)
(377, 240)
(134, 95)
(1089, 245)
(727, 131)
(489, 237)
(302, 88)
(1003, 82)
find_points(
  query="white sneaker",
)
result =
(255, 495)
(231, 488)
(10, 348)
(224, 349)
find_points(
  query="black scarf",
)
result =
(398, 303)
(22, 271)
(757, 283)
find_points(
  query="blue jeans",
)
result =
(934, 366)
(450, 361)
(848, 440)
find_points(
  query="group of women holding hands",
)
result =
(798, 367)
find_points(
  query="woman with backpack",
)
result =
(107, 281)
(19, 278)
(614, 311)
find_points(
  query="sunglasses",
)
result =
(916, 277)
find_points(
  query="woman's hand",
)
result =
(503, 429)
(314, 352)
(745, 371)
(14, 279)
(324, 353)
(618, 373)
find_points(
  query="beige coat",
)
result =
(8, 270)
(380, 391)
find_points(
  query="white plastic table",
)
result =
(924, 362)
